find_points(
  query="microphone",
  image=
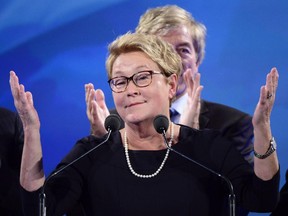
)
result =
(112, 123)
(161, 124)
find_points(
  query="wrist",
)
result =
(270, 150)
(96, 132)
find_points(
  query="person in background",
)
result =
(11, 144)
(187, 36)
(134, 172)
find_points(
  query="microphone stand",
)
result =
(42, 196)
(230, 186)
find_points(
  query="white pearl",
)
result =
(160, 167)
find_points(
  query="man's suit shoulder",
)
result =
(221, 117)
(217, 108)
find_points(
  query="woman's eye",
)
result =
(119, 82)
(142, 77)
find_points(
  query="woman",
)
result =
(134, 173)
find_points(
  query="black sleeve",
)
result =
(252, 193)
(64, 190)
(282, 207)
(30, 202)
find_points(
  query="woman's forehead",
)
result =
(133, 61)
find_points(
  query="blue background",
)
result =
(56, 47)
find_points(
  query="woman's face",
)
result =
(137, 104)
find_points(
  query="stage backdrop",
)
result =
(56, 47)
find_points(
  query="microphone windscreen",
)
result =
(161, 123)
(112, 122)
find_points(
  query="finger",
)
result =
(100, 98)
(93, 103)
(196, 84)
(22, 94)
(263, 95)
(90, 101)
(271, 84)
(265, 101)
(14, 84)
(196, 79)
(198, 92)
(99, 94)
(29, 97)
(92, 95)
(189, 83)
(88, 88)
(275, 77)
(94, 108)
(86, 92)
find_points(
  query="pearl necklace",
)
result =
(160, 167)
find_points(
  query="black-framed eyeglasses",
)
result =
(140, 79)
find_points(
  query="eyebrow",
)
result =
(137, 69)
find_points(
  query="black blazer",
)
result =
(11, 144)
(234, 124)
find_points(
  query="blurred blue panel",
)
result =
(57, 46)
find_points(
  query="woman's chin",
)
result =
(133, 118)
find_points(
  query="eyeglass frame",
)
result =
(128, 79)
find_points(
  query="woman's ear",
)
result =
(173, 83)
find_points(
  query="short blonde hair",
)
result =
(160, 20)
(158, 50)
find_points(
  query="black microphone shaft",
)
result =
(230, 186)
